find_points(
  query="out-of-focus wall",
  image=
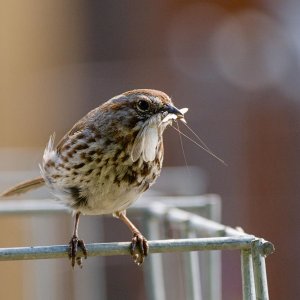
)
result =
(234, 64)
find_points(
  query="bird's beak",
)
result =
(174, 113)
(174, 110)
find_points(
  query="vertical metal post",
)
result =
(214, 257)
(214, 277)
(247, 275)
(259, 269)
(153, 269)
(192, 273)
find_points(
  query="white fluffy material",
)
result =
(147, 139)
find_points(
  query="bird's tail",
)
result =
(24, 186)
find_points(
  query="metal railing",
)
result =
(185, 213)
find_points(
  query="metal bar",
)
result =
(202, 225)
(40, 206)
(192, 273)
(188, 203)
(153, 271)
(214, 261)
(259, 249)
(234, 239)
(156, 209)
(247, 275)
(109, 249)
(253, 250)
(32, 206)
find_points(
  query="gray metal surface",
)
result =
(185, 216)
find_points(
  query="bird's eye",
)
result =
(143, 105)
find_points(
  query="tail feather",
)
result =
(23, 187)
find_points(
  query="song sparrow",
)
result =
(107, 160)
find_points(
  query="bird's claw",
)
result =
(74, 244)
(139, 248)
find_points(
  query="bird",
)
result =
(106, 161)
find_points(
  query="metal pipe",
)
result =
(153, 270)
(109, 249)
(214, 260)
(247, 275)
(32, 206)
(235, 239)
(156, 209)
(260, 248)
(201, 225)
(192, 272)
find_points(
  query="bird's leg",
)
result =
(139, 245)
(75, 243)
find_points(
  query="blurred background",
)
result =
(235, 64)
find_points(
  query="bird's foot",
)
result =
(74, 244)
(139, 248)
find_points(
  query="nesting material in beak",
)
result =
(175, 114)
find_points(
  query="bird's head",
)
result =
(146, 112)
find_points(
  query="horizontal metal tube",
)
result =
(21, 206)
(109, 249)
(155, 209)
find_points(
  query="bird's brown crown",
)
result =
(165, 99)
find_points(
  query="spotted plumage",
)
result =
(108, 159)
